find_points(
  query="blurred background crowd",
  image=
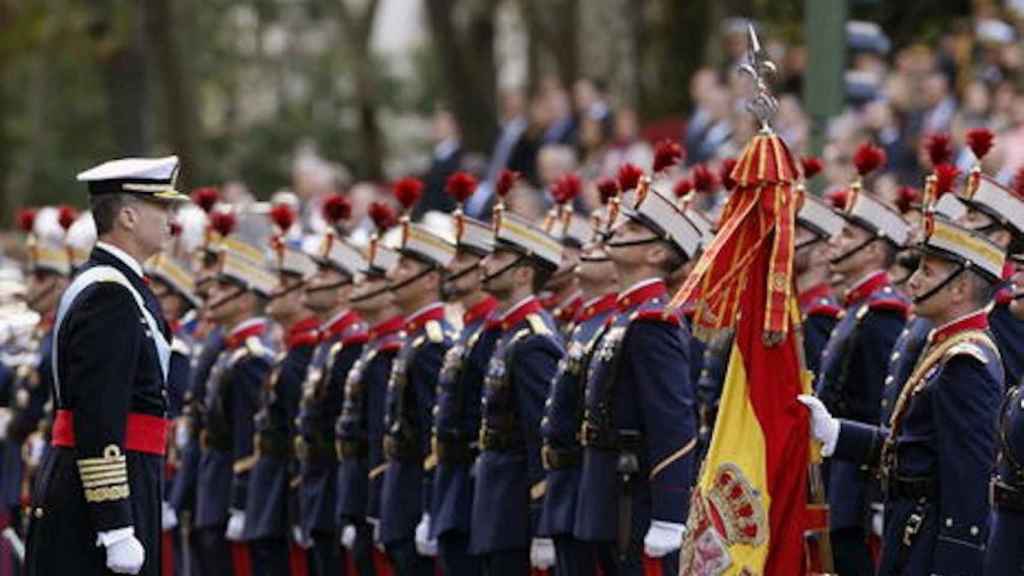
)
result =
(296, 99)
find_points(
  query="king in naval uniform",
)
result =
(96, 504)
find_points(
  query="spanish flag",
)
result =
(750, 507)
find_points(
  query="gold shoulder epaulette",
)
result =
(537, 324)
(434, 331)
(256, 347)
(968, 349)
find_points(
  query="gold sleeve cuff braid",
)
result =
(106, 478)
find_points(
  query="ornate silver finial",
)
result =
(762, 71)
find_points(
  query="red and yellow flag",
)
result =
(749, 510)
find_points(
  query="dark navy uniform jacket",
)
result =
(322, 397)
(851, 379)
(457, 420)
(266, 509)
(638, 400)
(229, 406)
(1005, 553)
(409, 404)
(938, 467)
(821, 313)
(28, 390)
(109, 371)
(905, 354)
(360, 428)
(1009, 335)
(510, 483)
(182, 491)
(563, 417)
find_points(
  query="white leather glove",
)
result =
(300, 538)
(375, 524)
(425, 545)
(236, 524)
(542, 553)
(348, 536)
(824, 427)
(125, 554)
(878, 519)
(5, 420)
(663, 537)
(168, 518)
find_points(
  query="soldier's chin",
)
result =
(1017, 306)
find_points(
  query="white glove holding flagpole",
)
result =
(663, 538)
(824, 426)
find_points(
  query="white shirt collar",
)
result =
(121, 255)
(246, 324)
(517, 306)
(335, 318)
(639, 285)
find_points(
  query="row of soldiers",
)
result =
(330, 412)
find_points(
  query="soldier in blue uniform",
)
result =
(344, 334)
(816, 225)
(174, 289)
(405, 495)
(853, 365)
(101, 482)
(510, 484)
(457, 416)
(563, 294)
(208, 342)
(998, 213)
(360, 428)
(935, 454)
(31, 380)
(230, 401)
(639, 426)
(1005, 553)
(563, 414)
(267, 529)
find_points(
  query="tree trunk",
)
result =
(359, 28)
(118, 35)
(468, 67)
(178, 93)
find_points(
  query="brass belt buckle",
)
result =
(911, 529)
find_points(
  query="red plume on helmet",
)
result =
(205, 198)
(408, 192)
(26, 219)
(629, 176)
(704, 180)
(607, 188)
(336, 208)
(908, 198)
(223, 222)
(812, 166)
(838, 199)
(283, 216)
(460, 186)
(66, 216)
(507, 180)
(566, 189)
(980, 141)
(1018, 184)
(383, 216)
(868, 158)
(940, 148)
(945, 178)
(667, 153)
(682, 188)
(725, 173)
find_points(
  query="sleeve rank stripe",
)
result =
(106, 494)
